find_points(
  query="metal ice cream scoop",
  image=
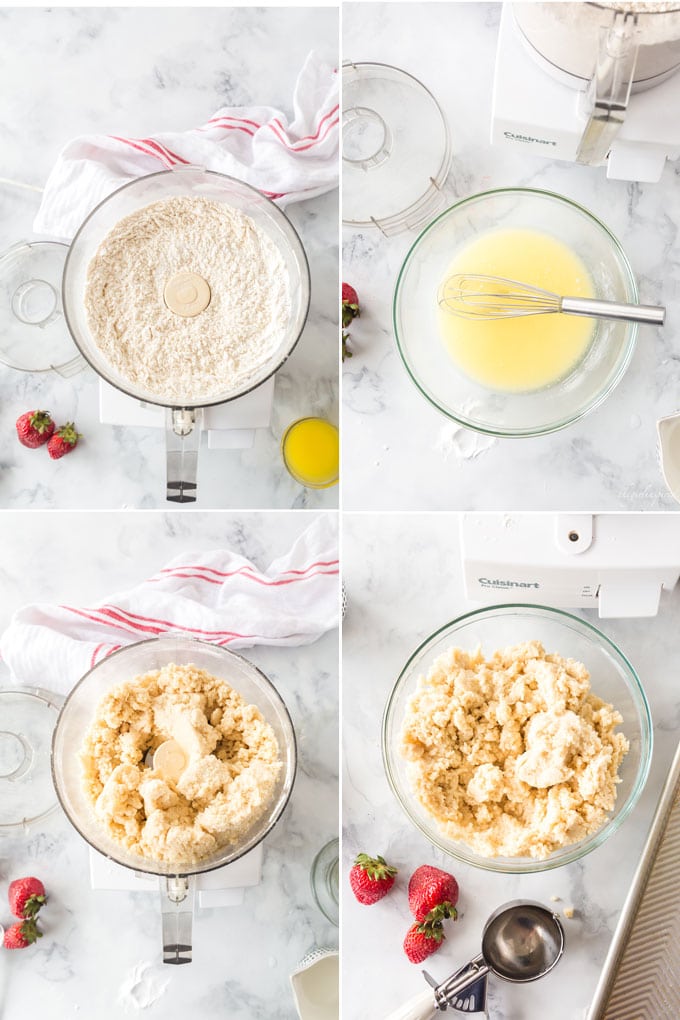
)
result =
(522, 941)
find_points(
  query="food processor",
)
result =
(177, 881)
(183, 417)
(592, 83)
(616, 563)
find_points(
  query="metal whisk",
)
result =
(473, 296)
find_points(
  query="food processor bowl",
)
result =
(416, 314)
(75, 720)
(612, 678)
(183, 418)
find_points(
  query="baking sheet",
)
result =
(641, 976)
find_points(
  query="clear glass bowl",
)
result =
(612, 678)
(325, 881)
(78, 712)
(423, 351)
(190, 181)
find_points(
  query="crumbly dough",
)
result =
(232, 764)
(169, 355)
(513, 756)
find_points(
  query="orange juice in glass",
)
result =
(311, 452)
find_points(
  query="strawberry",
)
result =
(432, 894)
(422, 940)
(21, 934)
(63, 441)
(350, 304)
(34, 428)
(26, 896)
(371, 878)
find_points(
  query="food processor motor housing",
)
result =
(591, 84)
(617, 563)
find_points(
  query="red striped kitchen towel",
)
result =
(217, 596)
(286, 161)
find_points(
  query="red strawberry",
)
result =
(26, 896)
(371, 878)
(422, 940)
(432, 894)
(63, 441)
(21, 934)
(350, 304)
(34, 428)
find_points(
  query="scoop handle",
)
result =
(650, 315)
(421, 1007)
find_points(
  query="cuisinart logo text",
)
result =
(528, 138)
(498, 583)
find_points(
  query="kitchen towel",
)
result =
(218, 596)
(286, 162)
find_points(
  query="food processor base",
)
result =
(224, 887)
(229, 426)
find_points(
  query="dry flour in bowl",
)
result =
(241, 275)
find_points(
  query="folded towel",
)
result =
(286, 162)
(217, 596)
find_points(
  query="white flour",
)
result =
(143, 986)
(166, 354)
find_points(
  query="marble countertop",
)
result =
(94, 940)
(180, 64)
(395, 601)
(401, 453)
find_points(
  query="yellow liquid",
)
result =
(311, 452)
(532, 351)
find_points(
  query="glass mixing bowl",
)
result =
(78, 713)
(612, 678)
(416, 311)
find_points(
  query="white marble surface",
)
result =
(395, 600)
(67, 72)
(242, 955)
(398, 451)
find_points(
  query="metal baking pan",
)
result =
(641, 976)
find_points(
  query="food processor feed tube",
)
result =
(177, 913)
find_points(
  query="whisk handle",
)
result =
(651, 315)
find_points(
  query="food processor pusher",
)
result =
(522, 941)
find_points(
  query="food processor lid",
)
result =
(27, 719)
(396, 149)
(33, 333)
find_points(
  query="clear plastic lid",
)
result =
(27, 720)
(396, 149)
(33, 334)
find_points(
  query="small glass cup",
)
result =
(310, 448)
(325, 881)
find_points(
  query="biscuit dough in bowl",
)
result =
(513, 755)
(214, 776)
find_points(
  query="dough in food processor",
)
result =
(232, 765)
